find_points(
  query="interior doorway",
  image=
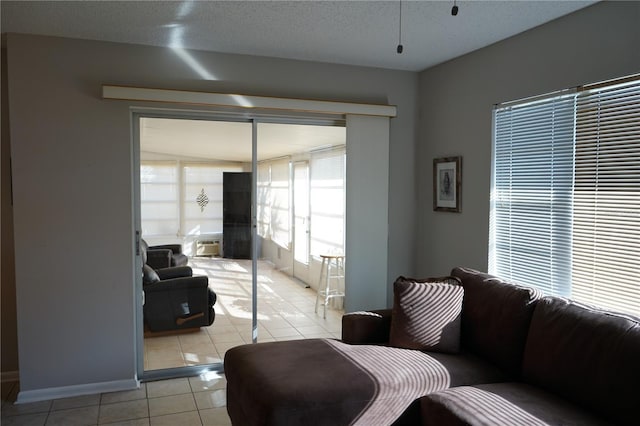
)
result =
(182, 161)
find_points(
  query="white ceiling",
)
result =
(231, 141)
(347, 32)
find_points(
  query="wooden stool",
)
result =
(326, 290)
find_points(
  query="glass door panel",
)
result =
(285, 297)
(195, 191)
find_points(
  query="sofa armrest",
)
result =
(174, 272)
(178, 284)
(373, 327)
(175, 248)
(159, 258)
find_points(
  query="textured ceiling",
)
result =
(348, 32)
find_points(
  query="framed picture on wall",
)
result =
(447, 184)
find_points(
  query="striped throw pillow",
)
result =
(426, 314)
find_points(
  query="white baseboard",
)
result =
(76, 390)
(9, 376)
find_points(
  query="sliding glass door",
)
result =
(238, 197)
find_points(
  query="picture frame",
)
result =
(447, 184)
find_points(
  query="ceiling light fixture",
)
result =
(454, 9)
(400, 48)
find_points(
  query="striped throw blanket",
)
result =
(400, 376)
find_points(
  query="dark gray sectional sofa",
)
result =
(524, 360)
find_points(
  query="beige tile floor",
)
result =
(199, 400)
(285, 312)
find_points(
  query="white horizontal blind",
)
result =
(606, 230)
(202, 197)
(565, 200)
(273, 202)
(179, 199)
(530, 239)
(327, 201)
(159, 209)
(280, 212)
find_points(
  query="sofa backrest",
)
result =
(495, 318)
(587, 355)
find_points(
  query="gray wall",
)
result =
(72, 185)
(9, 332)
(456, 98)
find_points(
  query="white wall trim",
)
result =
(9, 376)
(244, 101)
(76, 390)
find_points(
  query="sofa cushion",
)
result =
(495, 318)
(426, 315)
(468, 369)
(502, 404)
(271, 384)
(587, 355)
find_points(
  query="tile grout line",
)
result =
(146, 394)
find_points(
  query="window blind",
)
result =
(327, 201)
(606, 218)
(280, 212)
(565, 199)
(179, 199)
(531, 195)
(202, 197)
(273, 203)
(159, 209)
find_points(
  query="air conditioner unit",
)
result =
(208, 248)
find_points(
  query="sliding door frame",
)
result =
(255, 119)
(136, 115)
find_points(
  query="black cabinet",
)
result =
(236, 215)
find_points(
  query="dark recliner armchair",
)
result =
(174, 299)
(165, 256)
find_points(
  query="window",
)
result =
(327, 201)
(179, 199)
(159, 208)
(565, 199)
(280, 214)
(274, 214)
(202, 197)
